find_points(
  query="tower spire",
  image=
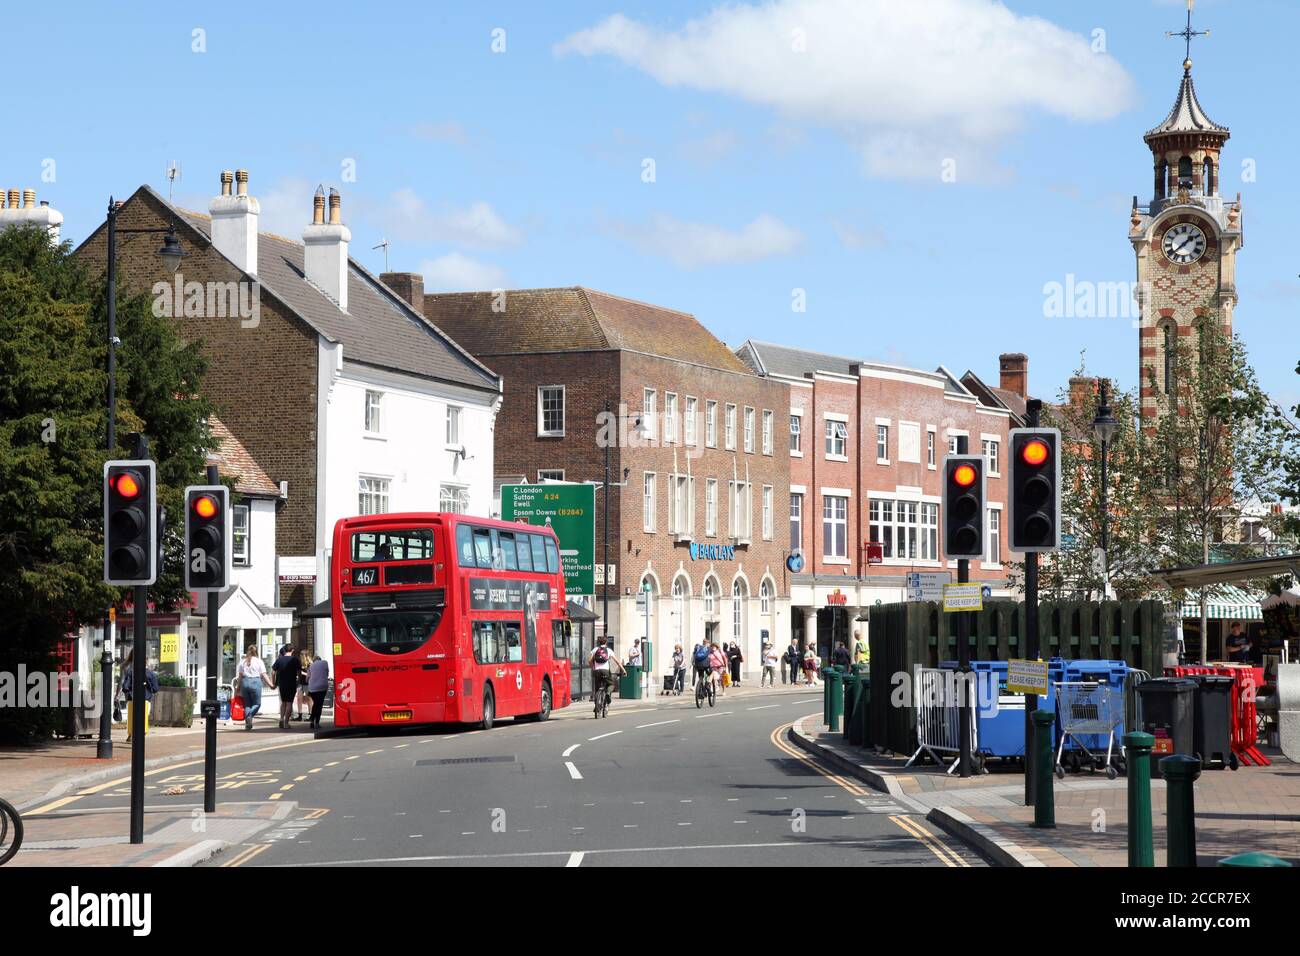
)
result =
(1187, 33)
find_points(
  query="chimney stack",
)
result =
(1081, 386)
(408, 285)
(18, 207)
(234, 222)
(326, 258)
(1014, 371)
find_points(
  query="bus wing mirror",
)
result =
(568, 631)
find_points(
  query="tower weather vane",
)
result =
(1187, 33)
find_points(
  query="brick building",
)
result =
(333, 382)
(700, 451)
(866, 443)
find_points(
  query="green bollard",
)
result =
(852, 687)
(1044, 803)
(1180, 771)
(1138, 757)
(826, 695)
(1253, 859)
(835, 689)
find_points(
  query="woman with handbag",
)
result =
(249, 678)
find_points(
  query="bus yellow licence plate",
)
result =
(396, 715)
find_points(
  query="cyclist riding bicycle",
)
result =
(717, 664)
(700, 662)
(603, 663)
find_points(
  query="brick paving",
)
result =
(1250, 809)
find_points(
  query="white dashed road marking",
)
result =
(570, 750)
(573, 771)
(575, 859)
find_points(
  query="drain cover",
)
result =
(455, 760)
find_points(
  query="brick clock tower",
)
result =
(1186, 240)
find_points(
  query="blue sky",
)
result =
(776, 168)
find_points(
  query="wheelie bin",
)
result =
(1212, 721)
(1167, 714)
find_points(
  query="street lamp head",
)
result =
(171, 252)
(1104, 425)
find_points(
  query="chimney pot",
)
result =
(335, 210)
(318, 207)
(241, 179)
(29, 198)
(15, 199)
(227, 177)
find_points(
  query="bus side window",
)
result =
(465, 545)
(559, 642)
(539, 552)
(552, 556)
(525, 551)
(514, 649)
(483, 547)
(490, 642)
(509, 556)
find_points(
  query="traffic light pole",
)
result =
(104, 747)
(963, 660)
(210, 721)
(1032, 649)
(139, 652)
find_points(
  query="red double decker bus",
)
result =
(446, 618)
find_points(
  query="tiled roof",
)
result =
(574, 319)
(1186, 116)
(379, 328)
(770, 359)
(234, 461)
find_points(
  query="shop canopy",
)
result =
(1228, 572)
(1224, 603)
(1288, 598)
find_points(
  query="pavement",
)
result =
(1250, 809)
(658, 782)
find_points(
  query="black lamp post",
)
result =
(1105, 426)
(171, 253)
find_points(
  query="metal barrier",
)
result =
(938, 718)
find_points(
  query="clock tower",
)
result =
(1186, 239)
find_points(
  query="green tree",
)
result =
(53, 330)
(1217, 446)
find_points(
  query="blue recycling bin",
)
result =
(1000, 715)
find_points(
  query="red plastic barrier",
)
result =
(1246, 681)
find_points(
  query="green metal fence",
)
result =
(919, 634)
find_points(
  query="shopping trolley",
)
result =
(1088, 707)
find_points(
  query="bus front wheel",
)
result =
(489, 710)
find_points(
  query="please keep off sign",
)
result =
(963, 597)
(1027, 677)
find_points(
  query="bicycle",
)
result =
(603, 695)
(705, 688)
(11, 832)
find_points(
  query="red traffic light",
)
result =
(1035, 452)
(127, 485)
(965, 475)
(205, 506)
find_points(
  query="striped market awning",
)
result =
(1224, 603)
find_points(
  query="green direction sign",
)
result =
(570, 510)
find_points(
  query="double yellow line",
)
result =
(911, 827)
(244, 856)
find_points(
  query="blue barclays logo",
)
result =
(712, 552)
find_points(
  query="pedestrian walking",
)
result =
(634, 655)
(303, 700)
(679, 670)
(769, 666)
(736, 658)
(840, 656)
(792, 661)
(318, 682)
(128, 689)
(250, 675)
(861, 652)
(810, 663)
(287, 667)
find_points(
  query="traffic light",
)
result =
(963, 506)
(207, 538)
(130, 522)
(1035, 489)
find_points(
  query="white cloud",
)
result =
(404, 215)
(694, 244)
(910, 84)
(456, 272)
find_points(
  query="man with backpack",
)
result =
(700, 661)
(603, 663)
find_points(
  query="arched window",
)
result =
(765, 597)
(710, 598)
(1162, 178)
(1171, 350)
(1207, 177)
(737, 611)
(1185, 170)
(679, 609)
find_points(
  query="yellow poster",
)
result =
(170, 651)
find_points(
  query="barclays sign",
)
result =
(712, 552)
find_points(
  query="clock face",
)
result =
(1183, 243)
